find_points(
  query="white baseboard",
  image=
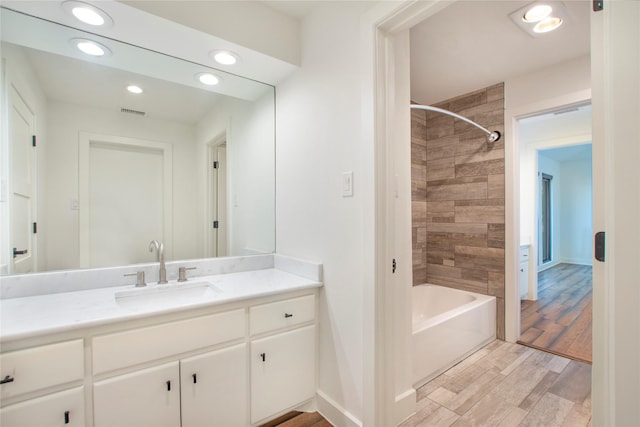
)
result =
(334, 413)
(405, 406)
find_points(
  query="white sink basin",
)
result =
(169, 295)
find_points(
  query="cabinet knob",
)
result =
(168, 385)
(263, 356)
(195, 378)
(7, 379)
(67, 418)
(521, 270)
(287, 315)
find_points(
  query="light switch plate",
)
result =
(347, 184)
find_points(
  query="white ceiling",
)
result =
(474, 44)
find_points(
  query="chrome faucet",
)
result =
(159, 247)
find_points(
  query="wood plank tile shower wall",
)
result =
(457, 181)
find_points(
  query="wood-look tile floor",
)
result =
(560, 320)
(506, 384)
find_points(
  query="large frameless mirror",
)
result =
(183, 162)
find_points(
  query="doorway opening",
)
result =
(556, 199)
(216, 226)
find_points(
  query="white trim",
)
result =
(405, 405)
(84, 144)
(334, 413)
(385, 21)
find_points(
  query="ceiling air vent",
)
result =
(130, 111)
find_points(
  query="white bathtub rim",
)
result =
(480, 299)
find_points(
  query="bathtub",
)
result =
(448, 325)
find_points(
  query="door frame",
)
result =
(211, 243)
(615, 56)
(85, 139)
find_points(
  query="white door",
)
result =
(615, 71)
(65, 408)
(217, 218)
(147, 398)
(22, 186)
(125, 199)
(282, 371)
(213, 387)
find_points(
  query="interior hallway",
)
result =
(506, 384)
(560, 320)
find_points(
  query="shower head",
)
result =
(492, 136)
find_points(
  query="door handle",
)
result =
(16, 252)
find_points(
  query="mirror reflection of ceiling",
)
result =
(102, 87)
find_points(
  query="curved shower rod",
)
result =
(492, 136)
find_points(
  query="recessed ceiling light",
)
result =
(87, 13)
(537, 13)
(208, 79)
(540, 17)
(91, 47)
(547, 24)
(134, 89)
(224, 57)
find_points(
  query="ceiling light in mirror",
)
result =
(224, 57)
(87, 13)
(134, 89)
(91, 47)
(208, 79)
(537, 13)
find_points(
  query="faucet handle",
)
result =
(139, 278)
(182, 273)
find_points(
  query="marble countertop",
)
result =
(38, 315)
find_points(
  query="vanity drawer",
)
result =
(37, 368)
(142, 345)
(524, 254)
(280, 314)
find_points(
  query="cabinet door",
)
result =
(147, 398)
(524, 279)
(282, 371)
(213, 387)
(65, 408)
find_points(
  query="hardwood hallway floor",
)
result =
(560, 320)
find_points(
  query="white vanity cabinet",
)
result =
(524, 271)
(234, 365)
(42, 372)
(207, 389)
(149, 397)
(204, 390)
(65, 408)
(213, 387)
(283, 363)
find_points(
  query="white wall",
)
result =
(539, 91)
(319, 112)
(65, 121)
(249, 129)
(576, 213)
(19, 73)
